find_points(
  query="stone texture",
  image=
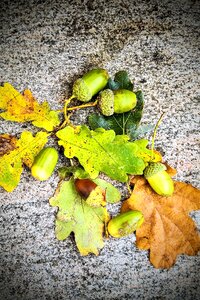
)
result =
(45, 46)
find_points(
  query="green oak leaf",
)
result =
(140, 131)
(75, 215)
(112, 193)
(103, 151)
(78, 172)
(64, 172)
(112, 85)
(121, 81)
(126, 123)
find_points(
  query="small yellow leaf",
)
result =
(96, 197)
(25, 108)
(24, 151)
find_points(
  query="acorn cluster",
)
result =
(119, 101)
(109, 101)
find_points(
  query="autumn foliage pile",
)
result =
(109, 145)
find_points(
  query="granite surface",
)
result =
(45, 46)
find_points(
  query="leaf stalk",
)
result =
(154, 135)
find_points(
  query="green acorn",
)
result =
(44, 163)
(90, 84)
(159, 179)
(118, 101)
(125, 223)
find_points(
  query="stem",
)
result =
(71, 162)
(65, 107)
(66, 121)
(154, 135)
(128, 185)
(128, 188)
(82, 106)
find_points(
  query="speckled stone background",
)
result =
(45, 46)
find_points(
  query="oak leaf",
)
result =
(24, 108)
(23, 151)
(126, 123)
(113, 195)
(75, 215)
(121, 81)
(103, 151)
(168, 230)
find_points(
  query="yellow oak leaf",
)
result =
(24, 108)
(167, 230)
(24, 151)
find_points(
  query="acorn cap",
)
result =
(106, 102)
(153, 168)
(81, 91)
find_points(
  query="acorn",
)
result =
(44, 163)
(90, 84)
(125, 223)
(118, 101)
(160, 181)
(93, 194)
(84, 187)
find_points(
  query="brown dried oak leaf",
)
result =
(167, 230)
(7, 143)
